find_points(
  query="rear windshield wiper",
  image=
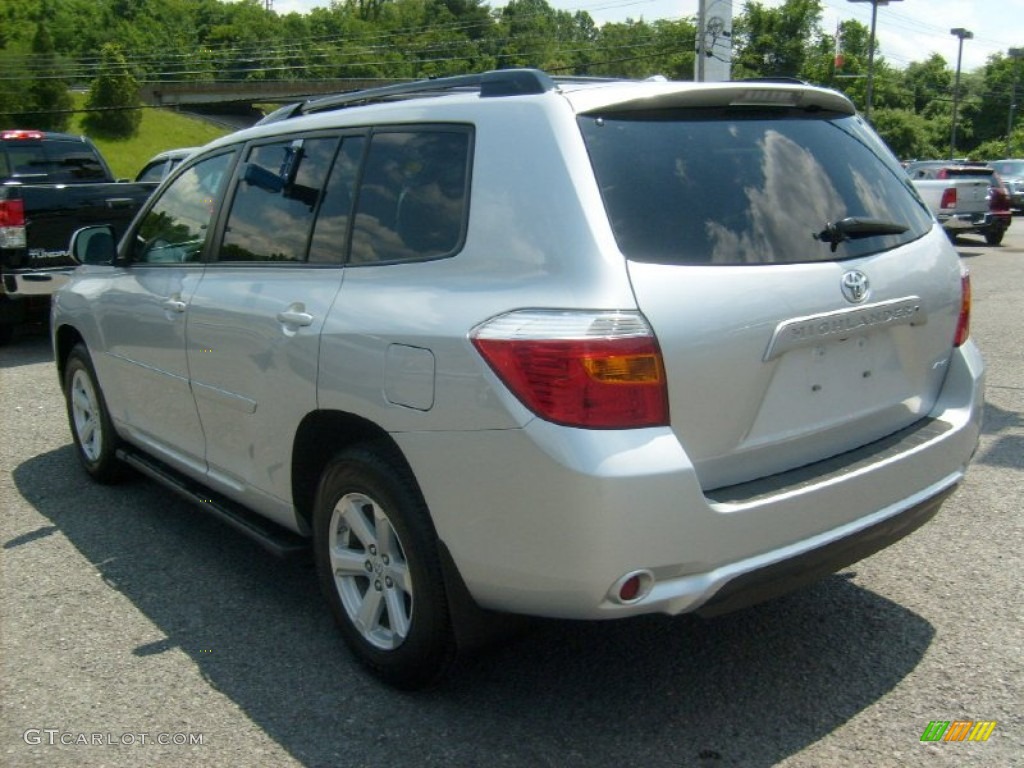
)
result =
(854, 228)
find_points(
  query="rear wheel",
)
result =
(91, 428)
(377, 559)
(994, 237)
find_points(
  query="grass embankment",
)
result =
(160, 129)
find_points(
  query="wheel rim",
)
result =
(370, 571)
(85, 411)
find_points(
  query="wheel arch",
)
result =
(320, 436)
(65, 338)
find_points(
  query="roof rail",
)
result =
(498, 82)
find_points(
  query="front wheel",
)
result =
(91, 428)
(377, 560)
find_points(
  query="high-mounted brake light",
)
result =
(767, 97)
(20, 134)
(595, 370)
(948, 198)
(963, 323)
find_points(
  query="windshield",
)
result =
(724, 186)
(1009, 167)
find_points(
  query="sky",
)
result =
(907, 30)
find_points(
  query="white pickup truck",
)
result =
(960, 197)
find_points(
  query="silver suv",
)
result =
(508, 344)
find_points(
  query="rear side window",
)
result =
(729, 187)
(53, 161)
(411, 201)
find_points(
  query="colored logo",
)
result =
(958, 730)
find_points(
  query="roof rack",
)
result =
(498, 82)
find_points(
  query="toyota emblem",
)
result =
(855, 286)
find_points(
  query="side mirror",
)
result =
(93, 245)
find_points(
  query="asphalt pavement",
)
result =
(136, 631)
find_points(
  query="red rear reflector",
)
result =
(21, 134)
(629, 589)
(963, 323)
(595, 370)
(948, 198)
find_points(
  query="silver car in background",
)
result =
(1012, 174)
(509, 344)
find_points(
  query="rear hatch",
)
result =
(803, 304)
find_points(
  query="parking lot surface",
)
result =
(137, 631)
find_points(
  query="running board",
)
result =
(272, 537)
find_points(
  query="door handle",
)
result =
(294, 317)
(174, 305)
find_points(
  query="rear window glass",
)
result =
(53, 161)
(732, 187)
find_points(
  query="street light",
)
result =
(1014, 53)
(871, 51)
(963, 34)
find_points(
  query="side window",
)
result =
(331, 232)
(153, 172)
(272, 212)
(174, 229)
(412, 196)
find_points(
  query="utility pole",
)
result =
(963, 34)
(1015, 55)
(871, 52)
(701, 21)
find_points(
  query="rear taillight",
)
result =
(595, 370)
(948, 198)
(963, 323)
(12, 224)
(998, 200)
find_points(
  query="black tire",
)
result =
(995, 238)
(377, 559)
(93, 433)
(6, 334)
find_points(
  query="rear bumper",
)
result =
(975, 222)
(789, 573)
(37, 282)
(547, 520)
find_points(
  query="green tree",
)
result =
(113, 100)
(1002, 80)
(908, 134)
(927, 80)
(773, 41)
(47, 101)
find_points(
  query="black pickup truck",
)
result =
(51, 184)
